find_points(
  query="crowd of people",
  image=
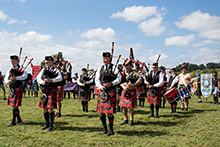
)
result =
(119, 88)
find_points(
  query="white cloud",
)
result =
(136, 13)
(5, 18)
(179, 40)
(152, 27)
(206, 25)
(205, 42)
(107, 35)
(201, 56)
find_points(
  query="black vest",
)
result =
(165, 78)
(171, 80)
(15, 83)
(153, 79)
(215, 82)
(49, 74)
(82, 79)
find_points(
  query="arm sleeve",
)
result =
(176, 80)
(90, 81)
(97, 78)
(39, 80)
(22, 77)
(58, 78)
(6, 77)
(118, 78)
(160, 83)
(79, 83)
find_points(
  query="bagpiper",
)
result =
(14, 78)
(129, 98)
(47, 78)
(106, 80)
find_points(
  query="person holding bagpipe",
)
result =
(129, 98)
(107, 77)
(173, 82)
(48, 78)
(185, 80)
(14, 78)
(119, 88)
(154, 81)
(84, 89)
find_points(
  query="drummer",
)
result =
(173, 82)
(185, 80)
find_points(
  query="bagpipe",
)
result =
(18, 72)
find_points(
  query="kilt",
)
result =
(140, 92)
(16, 100)
(132, 102)
(163, 91)
(52, 99)
(155, 100)
(85, 97)
(60, 93)
(109, 106)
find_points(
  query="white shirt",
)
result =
(160, 83)
(115, 82)
(56, 79)
(19, 78)
(81, 84)
(175, 80)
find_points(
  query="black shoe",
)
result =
(186, 109)
(50, 129)
(104, 132)
(125, 122)
(182, 109)
(19, 121)
(58, 115)
(110, 132)
(172, 112)
(12, 124)
(5, 99)
(156, 116)
(150, 116)
(131, 123)
(45, 127)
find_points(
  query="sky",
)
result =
(180, 31)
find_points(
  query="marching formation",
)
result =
(118, 88)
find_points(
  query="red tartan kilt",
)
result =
(163, 91)
(155, 100)
(85, 97)
(140, 91)
(109, 106)
(17, 99)
(132, 102)
(52, 99)
(60, 93)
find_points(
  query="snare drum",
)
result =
(185, 93)
(172, 95)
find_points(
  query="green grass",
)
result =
(200, 126)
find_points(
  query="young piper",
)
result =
(128, 98)
(185, 80)
(84, 89)
(154, 81)
(173, 82)
(14, 78)
(198, 90)
(48, 101)
(106, 80)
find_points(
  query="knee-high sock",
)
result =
(175, 105)
(64, 95)
(83, 105)
(111, 120)
(68, 95)
(157, 109)
(140, 101)
(152, 109)
(86, 105)
(46, 117)
(143, 101)
(18, 114)
(13, 115)
(125, 113)
(171, 107)
(131, 111)
(164, 102)
(103, 120)
(51, 119)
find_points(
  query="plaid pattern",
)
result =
(109, 106)
(132, 102)
(140, 92)
(16, 100)
(60, 93)
(85, 97)
(155, 100)
(163, 91)
(52, 99)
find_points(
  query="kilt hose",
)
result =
(132, 102)
(140, 92)
(85, 96)
(154, 100)
(109, 106)
(17, 99)
(60, 93)
(52, 99)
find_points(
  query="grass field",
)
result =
(200, 126)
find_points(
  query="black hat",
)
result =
(15, 57)
(106, 54)
(155, 64)
(183, 66)
(50, 58)
(173, 69)
(162, 68)
(84, 69)
(127, 61)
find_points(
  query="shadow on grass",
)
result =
(42, 123)
(81, 115)
(144, 132)
(82, 129)
(141, 112)
(161, 123)
(186, 115)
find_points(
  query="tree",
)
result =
(202, 66)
